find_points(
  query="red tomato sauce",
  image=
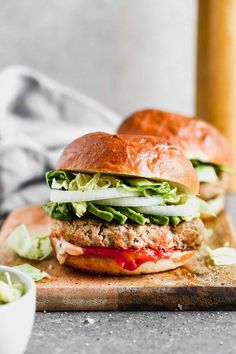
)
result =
(129, 259)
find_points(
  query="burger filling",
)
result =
(91, 232)
(130, 245)
(131, 220)
(213, 179)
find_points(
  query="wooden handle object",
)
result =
(216, 67)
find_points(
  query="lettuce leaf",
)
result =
(34, 248)
(11, 288)
(227, 169)
(86, 182)
(149, 188)
(59, 179)
(120, 214)
(8, 293)
(35, 273)
(206, 173)
(197, 163)
(174, 220)
(142, 184)
(205, 208)
(222, 255)
(79, 208)
(59, 211)
(217, 168)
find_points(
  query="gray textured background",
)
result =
(128, 54)
(134, 332)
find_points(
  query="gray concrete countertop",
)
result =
(136, 332)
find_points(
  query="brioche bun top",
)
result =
(130, 155)
(198, 139)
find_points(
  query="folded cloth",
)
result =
(38, 117)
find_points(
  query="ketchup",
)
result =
(129, 259)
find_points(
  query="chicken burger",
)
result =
(124, 204)
(203, 144)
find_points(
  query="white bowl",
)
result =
(17, 317)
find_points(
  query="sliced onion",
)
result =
(59, 196)
(191, 207)
(132, 201)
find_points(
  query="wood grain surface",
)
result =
(197, 285)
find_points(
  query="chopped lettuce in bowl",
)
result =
(16, 281)
(11, 288)
(11, 285)
(17, 309)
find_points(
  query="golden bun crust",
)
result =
(131, 155)
(104, 265)
(198, 139)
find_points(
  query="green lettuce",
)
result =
(143, 183)
(35, 273)
(227, 169)
(149, 188)
(174, 220)
(34, 248)
(86, 182)
(59, 179)
(222, 256)
(79, 208)
(122, 214)
(205, 208)
(11, 288)
(206, 173)
(218, 168)
(59, 211)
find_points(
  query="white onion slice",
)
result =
(59, 196)
(132, 201)
(191, 207)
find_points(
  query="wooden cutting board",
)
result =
(194, 286)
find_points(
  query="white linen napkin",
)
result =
(38, 118)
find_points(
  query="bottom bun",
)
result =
(216, 204)
(105, 265)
